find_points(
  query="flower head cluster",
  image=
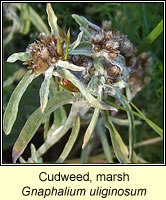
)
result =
(111, 43)
(106, 57)
(45, 51)
(99, 63)
(118, 57)
(140, 77)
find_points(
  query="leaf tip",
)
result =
(48, 6)
(85, 141)
(7, 131)
(73, 15)
(9, 60)
(6, 128)
(83, 145)
(108, 107)
(15, 156)
(42, 108)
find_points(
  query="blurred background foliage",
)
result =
(136, 20)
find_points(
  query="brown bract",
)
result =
(140, 77)
(44, 52)
(113, 71)
(112, 43)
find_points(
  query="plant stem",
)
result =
(69, 123)
(147, 142)
(150, 38)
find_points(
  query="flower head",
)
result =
(45, 52)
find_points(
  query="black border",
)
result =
(9, 165)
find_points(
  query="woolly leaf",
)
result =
(52, 20)
(44, 90)
(67, 65)
(35, 120)
(77, 42)
(23, 56)
(71, 141)
(119, 147)
(12, 107)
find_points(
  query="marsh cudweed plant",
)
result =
(95, 71)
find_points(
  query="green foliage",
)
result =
(140, 21)
(12, 107)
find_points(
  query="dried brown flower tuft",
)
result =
(140, 77)
(44, 52)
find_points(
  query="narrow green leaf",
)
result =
(34, 155)
(10, 36)
(135, 159)
(71, 141)
(119, 147)
(104, 141)
(131, 121)
(93, 122)
(80, 21)
(38, 22)
(77, 42)
(35, 19)
(84, 48)
(53, 87)
(93, 102)
(139, 159)
(59, 47)
(22, 161)
(124, 122)
(52, 20)
(154, 126)
(70, 66)
(85, 25)
(59, 120)
(60, 116)
(82, 52)
(15, 27)
(132, 137)
(23, 56)
(35, 120)
(91, 127)
(12, 107)
(150, 38)
(149, 142)
(128, 93)
(90, 24)
(46, 127)
(83, 22)
(44, 90)
(15, 77)
(25, 19)
(62, 130)
(93, 84)
(67, 44)
(86, 33)
(62, 34)
(85, 153)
